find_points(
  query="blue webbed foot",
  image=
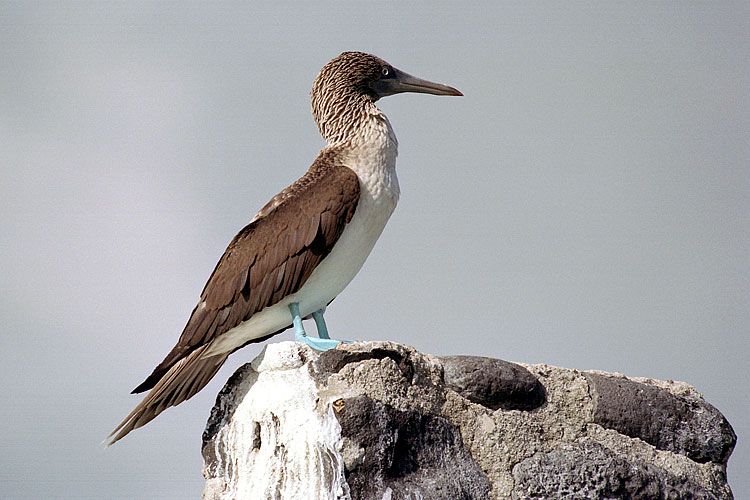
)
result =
(323, 343)
(318, 344)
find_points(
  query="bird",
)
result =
(305, 245)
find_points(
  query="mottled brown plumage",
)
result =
(342, 93)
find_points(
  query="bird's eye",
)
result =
(386, 71)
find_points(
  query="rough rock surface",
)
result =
(380, 420)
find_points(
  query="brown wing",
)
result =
(259, 268)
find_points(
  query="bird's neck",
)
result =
(352, 122)
(366, 144)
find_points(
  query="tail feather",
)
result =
(181, 382)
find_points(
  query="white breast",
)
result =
(372, 156)
(374, 162)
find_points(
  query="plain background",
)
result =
(586, 204)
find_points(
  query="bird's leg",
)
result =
(299, 330)
(321, 344)
(320, 322)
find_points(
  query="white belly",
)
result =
(346, 259)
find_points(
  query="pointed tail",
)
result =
(181, 382)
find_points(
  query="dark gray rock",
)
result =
(679, 424)
(593, 471)
(493, 383)
(413, 454)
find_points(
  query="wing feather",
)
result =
(257, 269)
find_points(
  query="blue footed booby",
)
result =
(305, 245)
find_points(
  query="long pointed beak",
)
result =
(404, 82)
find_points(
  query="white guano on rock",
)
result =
(280, 443)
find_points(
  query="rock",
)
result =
(493, 383)
(593, 471)
(405, 454)
(380, 420)
(680, 424)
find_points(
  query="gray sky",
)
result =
(586, 204)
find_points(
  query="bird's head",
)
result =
(352, 80)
